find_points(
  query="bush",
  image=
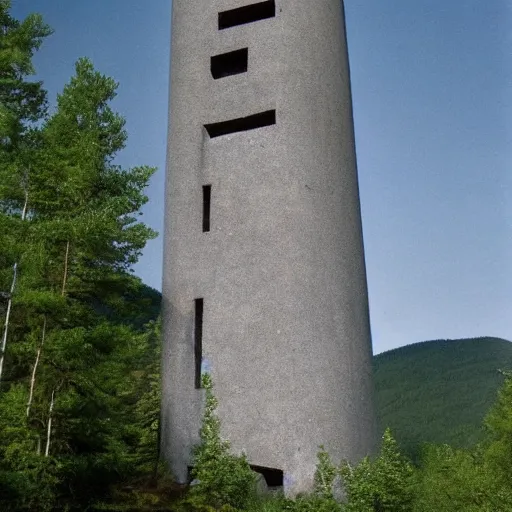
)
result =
(223, 479)
(386, 485)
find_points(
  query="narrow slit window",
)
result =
(242, 124)
(247, 14)
(198, 341)
(207, 196)
(231, 63)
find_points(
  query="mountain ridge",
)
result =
(439, 391)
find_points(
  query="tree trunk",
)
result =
(65, 278)
(154, 476)
(9, 303)
(34, 370)
(6, 325)
(49, 431)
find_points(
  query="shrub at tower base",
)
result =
(224, 481)
(447, 480)
(223, 478)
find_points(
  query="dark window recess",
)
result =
(227, 64)
(247, 14)
(242, 124)
(198, 341)
(273, 477)
(207, 195)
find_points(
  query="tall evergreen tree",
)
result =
(70, 233)
(22, 103)
(385, 484)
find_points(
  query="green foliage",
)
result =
(320, 500)
(498, 423)
(325, 475)
(26, 478)
(271, 504)
(312, 503)
(223, 478)
(145, 424)
(79, 365)
(385, 484)
(361, 487)
(21, 101)
(458, 480)
(439, 391)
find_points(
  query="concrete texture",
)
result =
(286, 330)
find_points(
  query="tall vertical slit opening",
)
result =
(207, 195)
(198, 341)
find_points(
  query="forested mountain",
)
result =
(439, 391)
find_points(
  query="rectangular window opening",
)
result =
(207, 195)
(198, 341)
(273, 477)
(247, 14)
(231, 63)
(242, 124)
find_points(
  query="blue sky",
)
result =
(431, 83)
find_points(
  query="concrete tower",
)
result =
(264, 274)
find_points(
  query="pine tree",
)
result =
(22, 103)
(383, 485)
(222, 478)
(86, 223)
(71, 366)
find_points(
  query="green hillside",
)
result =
(439, 391)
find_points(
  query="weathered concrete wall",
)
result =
(286, 326)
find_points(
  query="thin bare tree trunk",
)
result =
(49, 431)
(154, 478)
(9, 303)
(65, 278)
(52, 402)
(34, 370)
(50, 415)
(7, 317)
(25, 205)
